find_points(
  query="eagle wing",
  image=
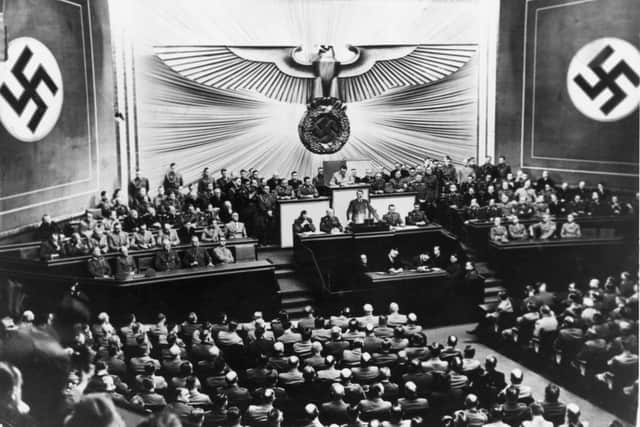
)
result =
(270, 71)
(380, 68)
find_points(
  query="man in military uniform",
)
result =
(417, 216)
(498, 232)
(318, 181)
(544, 229)
(125, 264)
(196, 256)
(98, 265)
(284, 190)
(473, 211)
(222, 253)
(307, 190)
(452, 198)
(294, 182)
(172, 180)
(136, 184)
(570, 229)
(235, 229)
(142, 238)
(397, 183)
(517, 231)
(330, 222)
(266, 224)
(117, 238)
(378, 184)
(204, 181)
(167, 258)
(359, 209)
(392, 218)
(448, 172)
(419, 187)
(342, 177)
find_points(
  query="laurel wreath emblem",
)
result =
(324, 128)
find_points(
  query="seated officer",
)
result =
(330, 223)
(77, 246)
(222, 254)
(117, 238)
(307, 190)
(125, 265)
(212, 232)
(196, 256)
(473, 211)
(303, 224)
(166, 258)
(498, 232)
(392, 218)
(517, 231)
(423, 262)
(570, 229)
(417, 216)
(235, 229)
(142, 238)
(544, 229)
(98, 265)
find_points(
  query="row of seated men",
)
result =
(111, 236)
(339, 370)
(165, 259)
(593, 330)
(545, 229)
(330, 223)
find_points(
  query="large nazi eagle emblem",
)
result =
(325, 78)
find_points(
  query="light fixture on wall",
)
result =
(119, 117)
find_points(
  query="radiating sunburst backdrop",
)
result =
(198, 126)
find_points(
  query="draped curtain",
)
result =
(198, 126)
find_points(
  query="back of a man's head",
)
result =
(551, 393)
(337, 391)
(516, 376)
(410, 389)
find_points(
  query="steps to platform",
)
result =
(294, 293)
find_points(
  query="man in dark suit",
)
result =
(52, 247)
(393, 263)
(238, 396)
(303, 224)
(375, 406)
(196, 256)
(47, 228)
(166, 258)
(490, 382)
(335, 411)
(412, 405)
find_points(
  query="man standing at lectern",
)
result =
(360, 209)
